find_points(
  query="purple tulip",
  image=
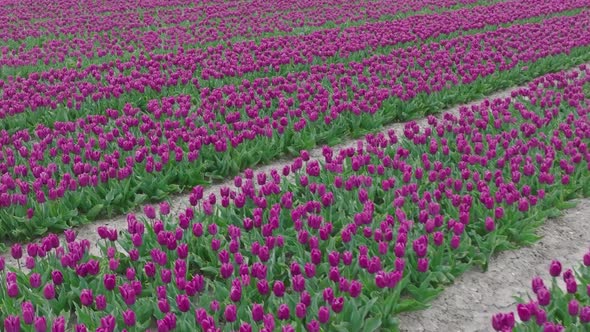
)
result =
(313, 326)
(573, 308)
(214, 306)
(57, 277)
(230, 313)
(183, 303)
(523, 312)
(149, 211)
(16, 251)
(59, 324)
(571, 286)
(355, 288)
(12, 289)
(555, 268)
(263, 287)
(49, 291)
(422, 264)
(543, 296)
(283, 312)
(257, 312)
(109, 281)
(129, 317)
(40, 324)
(338, 304)
(86, 297)
(35, 280)
(541, 316)
(323, 315)
(300, 310)
(245, 327)
(305, 298)
(83, 328)
(585, 314)
(537, 283)
(101, 302)
(163, 305)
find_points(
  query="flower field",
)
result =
(105, 109)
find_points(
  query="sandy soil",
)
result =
(468, 304)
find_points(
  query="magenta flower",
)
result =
(555, 268)
(422, 264)
(355, 288)
(40, 324)
(283, 312)
(28, 312)
(523, 312)
(263, 287)
(149, 211)
(12, 289)
(257, 312)
(585, 314)
(323, 315)
(16, 251)
(86, 297)
(300, 310)
(230, 313)
(543, 296)
(35, 280)
(183, 303)
(57, 277)
(109, 281)
(129, 317)
(12, 324)
(337, 304)
(163, 305)
(313, 326)
(59, 325)
(49, 291)
(101, 302)
(573, 308)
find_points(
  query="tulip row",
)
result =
(86, 36)
(552, 309)
(186, 71)
(355, 238)
(108, 163)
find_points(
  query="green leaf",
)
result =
(372, 324)
(110, 196)
(95, 211)
(409, 305)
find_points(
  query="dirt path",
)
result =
(468, 304)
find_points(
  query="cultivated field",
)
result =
(309, 165)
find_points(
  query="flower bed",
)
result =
(357, 237)
(58, 177)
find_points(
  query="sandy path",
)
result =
(468, 304)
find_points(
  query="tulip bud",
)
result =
(129, 317)
(573, 308)
(257, 312)
(230, 313)
(555, 268)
